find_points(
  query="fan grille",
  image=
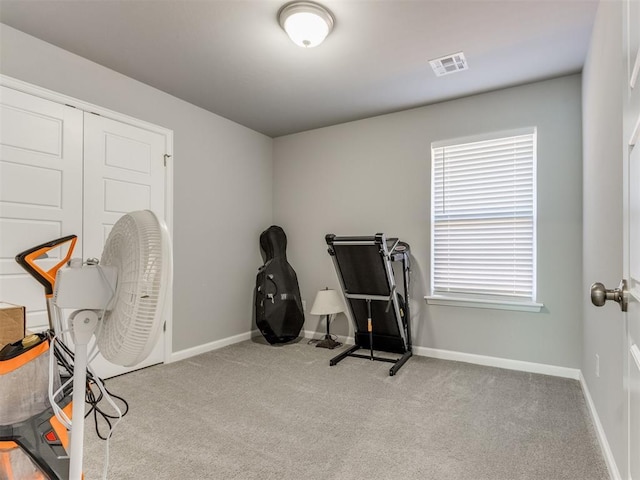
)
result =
(138, 247)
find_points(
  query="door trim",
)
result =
(56, 97)
(607, 453)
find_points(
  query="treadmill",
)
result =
(378, 309)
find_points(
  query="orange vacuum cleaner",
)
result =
(33, 442)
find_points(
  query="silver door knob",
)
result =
(599, 294)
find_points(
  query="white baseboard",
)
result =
(209, 347)
(224, 342)
(614, 473)
(485, 360)
(506, 363)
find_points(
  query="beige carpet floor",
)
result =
(254, 411)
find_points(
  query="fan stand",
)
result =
(83, 324)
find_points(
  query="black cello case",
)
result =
(278, 306)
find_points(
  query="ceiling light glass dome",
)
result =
(306, 23)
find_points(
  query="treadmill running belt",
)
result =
(377, 307)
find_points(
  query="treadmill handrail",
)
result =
(361, 241)
(364, 296)
(397, 240)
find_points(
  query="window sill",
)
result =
(448, 301)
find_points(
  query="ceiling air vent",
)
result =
(449, 64)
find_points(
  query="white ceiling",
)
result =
(231, 56)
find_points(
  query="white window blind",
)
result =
(483, 217)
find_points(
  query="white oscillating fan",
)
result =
(119, 300)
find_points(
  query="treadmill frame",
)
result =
(403, 319)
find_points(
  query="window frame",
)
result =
(475, 300)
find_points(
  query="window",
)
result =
(483, 221)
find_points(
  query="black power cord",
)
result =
(98, 413)
(64, 356)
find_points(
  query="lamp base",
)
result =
(328, 342)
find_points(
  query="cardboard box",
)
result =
(12, 323)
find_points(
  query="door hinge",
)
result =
(166, 157)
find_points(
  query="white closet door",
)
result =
(123, 171)
(40, 190)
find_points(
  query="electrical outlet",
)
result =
(597, 365)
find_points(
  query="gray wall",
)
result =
(356, 178)
(603, 329)
(222, 185)
(373, 176)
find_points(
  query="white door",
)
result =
(631, 154)
(123, 171)
(40, 191)
(63, 172)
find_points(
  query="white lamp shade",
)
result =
(327, 302)
(306, 23)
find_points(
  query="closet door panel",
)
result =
(123, 171)
(40, 190)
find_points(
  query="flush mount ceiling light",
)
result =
(306, 23)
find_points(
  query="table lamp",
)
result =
(327, 303)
